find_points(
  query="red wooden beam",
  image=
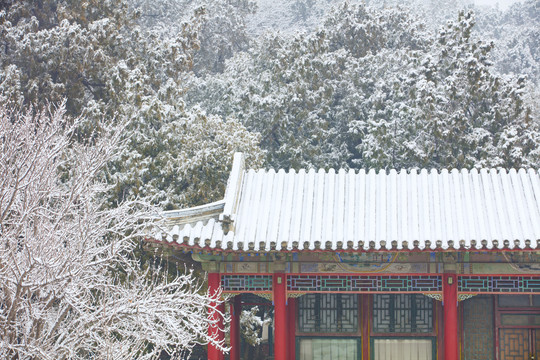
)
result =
(216, 330)
(450, 317)
(236, 310)
(279, 283)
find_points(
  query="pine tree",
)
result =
(516, 32)
(373, 88)
(98, 57)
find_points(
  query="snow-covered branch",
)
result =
(70, 287)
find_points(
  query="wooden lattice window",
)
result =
(519, 301)
(478, 342)
(403, 348)
(324, 348)
(402, 313)
(328, 313)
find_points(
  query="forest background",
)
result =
(291, 83)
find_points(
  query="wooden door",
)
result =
(519, 344)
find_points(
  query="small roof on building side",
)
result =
(265, 211)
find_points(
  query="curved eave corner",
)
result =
(206, 226)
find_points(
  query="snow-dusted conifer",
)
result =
(516, 32)
(106, 65)
(373, 88)
(221, 33)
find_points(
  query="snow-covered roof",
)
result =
(358, 210)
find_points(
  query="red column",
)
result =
(366, 317)
(221, 309)
(215, 331)
(291, 320)
(450, 318)
(280, 317)
(440, 329)
(236, 309)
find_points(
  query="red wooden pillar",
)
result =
(450, 317)
(216, 330)
(221, 309)
(365, 316)
(280, 317)
(291, 320)
(440, 329)
(236, 310)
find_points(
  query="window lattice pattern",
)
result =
(328, 313)
(246, 282)
(402, 313)
(489, 284)
(329, 348)
(403, 349)
(478, 328)
(514, 344)
(364, 283)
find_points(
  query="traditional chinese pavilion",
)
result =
(384, 265)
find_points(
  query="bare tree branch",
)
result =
(70, 287)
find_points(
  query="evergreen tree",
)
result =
(373, 88)
(448, 108)
(221, 33)
(517, 35)
(96, 56)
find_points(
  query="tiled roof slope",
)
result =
(351, 210)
